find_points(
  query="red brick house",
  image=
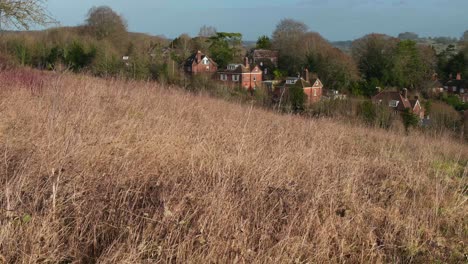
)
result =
(243, 75)
(312, 88)
(199, 63)
(457, 86)
(260, 55)
(399, 102)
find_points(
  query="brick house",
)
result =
(260, 55)
(313, 88)
(199, 63)
(243, 75)
(457, 86)
(399, 102)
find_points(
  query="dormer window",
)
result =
(291, 81)
(393, 103)
(205, 61)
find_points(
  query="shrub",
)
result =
(444, 117)
(409, 119)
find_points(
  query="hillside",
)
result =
(129, 172)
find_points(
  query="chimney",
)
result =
(246, 62)
(199, 54)
(405, 93)
(459, 76)
(306, 75)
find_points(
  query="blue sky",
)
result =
(334, 19)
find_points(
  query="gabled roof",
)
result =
(239, 68)
(194, 58)
(263, 53)
(414, 102)
(388, 96)
(297, 82)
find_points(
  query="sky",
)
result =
(333, 19)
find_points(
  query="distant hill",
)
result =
(344, 46)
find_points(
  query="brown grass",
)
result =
(114, 172)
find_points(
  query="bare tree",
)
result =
(21, 14)
(288, 39)
(207, 31)
(105, 22)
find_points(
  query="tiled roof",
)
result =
(262, 53)
(391, 95)
(193, 58)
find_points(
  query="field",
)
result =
(111, 171)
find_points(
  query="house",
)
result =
(399, 102)
(313, 88)
(261, 55)
(243, 75)
(457, 86)
(199, 63)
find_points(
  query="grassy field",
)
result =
(128, 172)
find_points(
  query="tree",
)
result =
(181, 48)
(374, 56)
(105, 23)
(409, 70)
(207, 31)
(297, 98)
(287, 38)
(21, 14)
(264, 42)
(409, 119)
(225, 48)
(336, 69)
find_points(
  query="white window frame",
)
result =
(393, 103)
(235, 78)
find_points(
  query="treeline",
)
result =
(98, 47)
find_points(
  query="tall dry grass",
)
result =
(129, 172)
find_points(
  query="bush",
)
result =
(409, 119)
(444, 117)
(376, 115)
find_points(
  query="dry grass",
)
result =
(113, 172)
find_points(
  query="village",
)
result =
(253, 75)
(299, 132)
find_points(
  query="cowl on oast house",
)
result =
(244, 75)
(399, 102)
(200, 63)
(312, 87)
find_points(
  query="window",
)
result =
(223, 77)
(235, 78)
(205, 61)
(393, 103)
(255, 78)
(315, 92)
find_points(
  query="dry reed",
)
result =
(129, 172)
